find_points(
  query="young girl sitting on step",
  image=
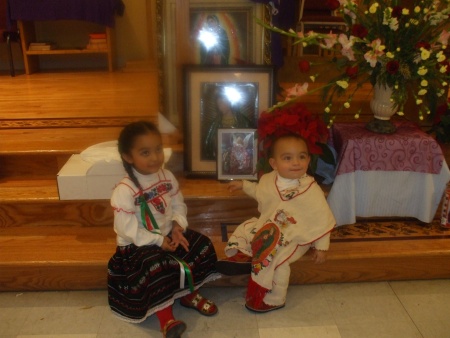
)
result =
(158, 259)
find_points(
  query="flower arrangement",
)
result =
(386, 44)
(293, 118)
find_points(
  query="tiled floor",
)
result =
(361, 310)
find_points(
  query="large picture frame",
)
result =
(221, 97)
(237, 154)
(177, 46)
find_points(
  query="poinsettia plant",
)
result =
(293, 118)
(405, 48)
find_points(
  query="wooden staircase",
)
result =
(49, 244)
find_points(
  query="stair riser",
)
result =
(37, 277)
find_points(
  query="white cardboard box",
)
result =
(93, 174)
(82, 180)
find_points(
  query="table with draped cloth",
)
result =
(402, 174)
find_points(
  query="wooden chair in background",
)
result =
(316, 15)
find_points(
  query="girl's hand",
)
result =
(235, 185)
(319, 256)
(168, 245)
(178, 237)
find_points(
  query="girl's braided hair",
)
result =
(126, 141)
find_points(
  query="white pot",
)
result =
(381, 104)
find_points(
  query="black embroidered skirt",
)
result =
(146, 279)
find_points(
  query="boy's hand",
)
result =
(235, 185)
(319, 256)
(178, 237)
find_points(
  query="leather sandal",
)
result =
(174, 329)
(204, 306)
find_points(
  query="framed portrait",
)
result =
(221, 97)
(237, 154)
(184, 24)
(221, 36)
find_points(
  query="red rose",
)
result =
(333, 4)
(392, 67)
(441, 111)
(359, 31)
(397, 12)
(423, 44)
(304, 66)
(352, 72)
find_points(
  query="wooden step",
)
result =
(75, 258)
(38, 152)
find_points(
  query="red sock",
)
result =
(164, 316)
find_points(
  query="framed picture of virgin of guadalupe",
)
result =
(221, 97)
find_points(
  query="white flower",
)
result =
(347, 44)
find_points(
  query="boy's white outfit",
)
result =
(294, 216)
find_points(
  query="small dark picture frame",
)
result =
(236, 154)
(220, 97)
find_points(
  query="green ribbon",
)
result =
(185, 270)
(148, 220)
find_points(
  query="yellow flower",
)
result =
(327, 109)
(443, 69)
(347, 104)
(405, 11)
(343, 84)
(440, 56)
(424, 83)
(422, 70)
(400, 113)
(390, 55)
(417, 9)
(313, 78)
(422, 92)
(424, 53)
(357, 116)
(373, 8)
(419, 101)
